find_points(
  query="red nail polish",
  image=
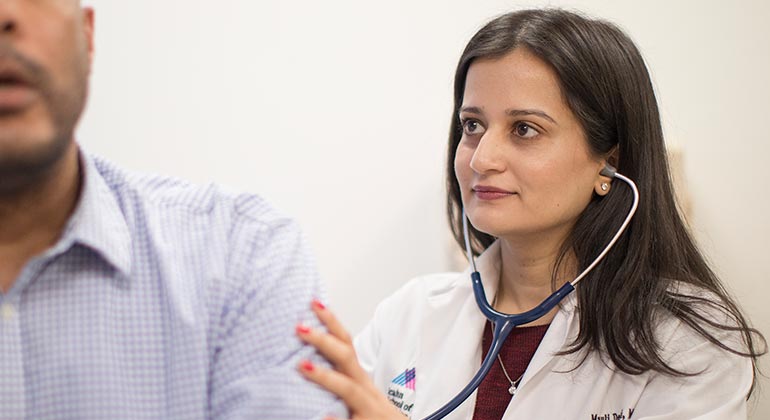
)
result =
(317, 303)
(302, 329)
(307, 366)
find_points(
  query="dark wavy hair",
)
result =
(606, 85)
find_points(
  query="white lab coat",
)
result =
(432, 325)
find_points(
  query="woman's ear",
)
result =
(604, 179)
(602, 186)
(613, 156)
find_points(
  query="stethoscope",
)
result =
(505, 323)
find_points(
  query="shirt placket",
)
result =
(13, 386)
(12, 381)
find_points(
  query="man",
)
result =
(124, 296)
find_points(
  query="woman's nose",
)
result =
(488, 156)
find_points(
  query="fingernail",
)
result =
(307, 366)
(318, 305)
(302, 329)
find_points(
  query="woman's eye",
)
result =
(524, 130)
(472, 128)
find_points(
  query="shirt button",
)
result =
(7, 312)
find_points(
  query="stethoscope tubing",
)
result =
(505, 323)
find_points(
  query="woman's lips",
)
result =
(484, 192)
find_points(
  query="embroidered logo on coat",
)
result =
(405, 379)
(401, 391)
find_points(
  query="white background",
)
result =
(338, 111)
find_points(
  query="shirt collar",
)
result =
(98, 222)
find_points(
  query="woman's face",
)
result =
(523, 163)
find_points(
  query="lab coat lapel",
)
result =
(454, 326)
(543, 360)
(554, 339)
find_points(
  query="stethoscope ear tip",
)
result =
(609, 171)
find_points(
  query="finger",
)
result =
(331, 322)
(353, 395)
(339, 354)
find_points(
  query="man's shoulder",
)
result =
(206, 234)
(179, 201)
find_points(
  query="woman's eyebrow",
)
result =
(520, 112)
(471, 110)
(510, 112)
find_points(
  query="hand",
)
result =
(348, 380)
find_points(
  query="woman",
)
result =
(544, 99)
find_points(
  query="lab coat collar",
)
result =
(489, 264)
(453, 317)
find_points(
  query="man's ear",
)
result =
(88, 29)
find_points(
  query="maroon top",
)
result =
(493, 397)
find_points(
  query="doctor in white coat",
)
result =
(544, 99)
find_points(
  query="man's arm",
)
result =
(272, 280)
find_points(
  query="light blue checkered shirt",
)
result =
(162, 300)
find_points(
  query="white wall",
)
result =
(338, 110)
